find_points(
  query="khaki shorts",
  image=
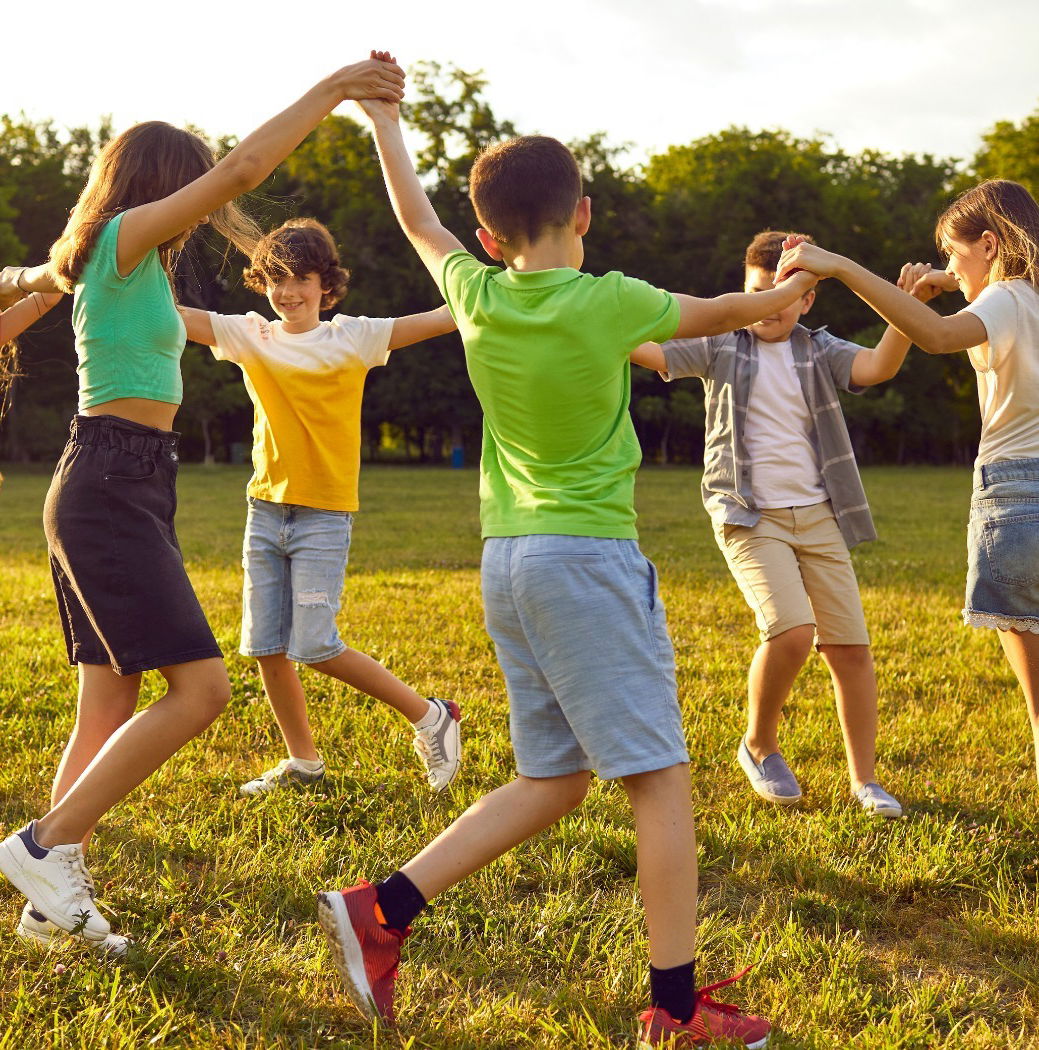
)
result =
(793, 568)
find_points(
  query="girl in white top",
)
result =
(991, 237)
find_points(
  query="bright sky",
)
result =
(898, 75)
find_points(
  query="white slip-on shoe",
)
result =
(876, 801)
(440, 745)
(34, 926)
(56, 880)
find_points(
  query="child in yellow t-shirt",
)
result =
(305, 378)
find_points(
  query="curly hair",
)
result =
(298, 247)
(766, 248)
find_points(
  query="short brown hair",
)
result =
(298, 247)
(523, 185)
(766, 248)
(1009, 211)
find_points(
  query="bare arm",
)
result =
(649, 355)
(930, 331)
(416, 327)
(199, 325)
(252, 160)
(726, 313)
(17, 318)
(416, 216)
(16, 282)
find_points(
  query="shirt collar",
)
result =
(536, 278)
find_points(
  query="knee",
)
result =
(204, 690)
(848, 658)
(566, 792)
(795, 643)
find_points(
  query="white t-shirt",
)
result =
(306, 392)
(777, 434)
(1008, 371)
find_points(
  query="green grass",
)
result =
(920, 933)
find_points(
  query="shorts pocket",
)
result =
(1012, 548)
(121, 465)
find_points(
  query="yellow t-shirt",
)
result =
(306, 393)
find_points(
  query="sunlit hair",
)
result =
(1008, 211)
(298, 247)
(766, 248)
(8, 373)
(146, 163)
(523, 186)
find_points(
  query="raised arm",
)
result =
(16, 282)
(199, 325)
(17, 318)
(416, 216)
(649, 355)
(414, 328)
(252, 160)
(930, 331)
(726, 313)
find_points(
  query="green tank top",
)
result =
(129, 336)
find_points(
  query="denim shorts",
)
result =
(295, 561)
(124, 597)
(582, 640)
(1003, 547)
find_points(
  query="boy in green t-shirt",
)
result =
(571, 603)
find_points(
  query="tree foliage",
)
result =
(681, 220)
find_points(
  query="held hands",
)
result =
(798, 254)
(10, 292)
(378, 77)
(923, 282)
(380, 109)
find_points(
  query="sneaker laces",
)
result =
(78, 876)
(703, 996)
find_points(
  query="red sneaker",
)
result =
(711, 1023)
(366, 953)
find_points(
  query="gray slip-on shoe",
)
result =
(877, 802)
(772, 778)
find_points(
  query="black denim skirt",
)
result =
(124, 597)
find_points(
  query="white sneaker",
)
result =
(34, 926)
(439, 745)
(56, 880)
(285, 773)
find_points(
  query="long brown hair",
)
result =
(1005, 209)
(145, 163)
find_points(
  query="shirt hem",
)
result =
(588, 531)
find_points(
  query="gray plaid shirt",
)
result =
(727, 364)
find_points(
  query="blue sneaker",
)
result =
(877, 802)
(771, 778)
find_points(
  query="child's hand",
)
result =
(800, 255)
(923, 282)
(377, 109)
(10, 293)
(377, 77)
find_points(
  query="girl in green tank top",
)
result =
(125, 600)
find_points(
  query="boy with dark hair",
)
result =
(784, 493)
(570, 601)
(305, 378)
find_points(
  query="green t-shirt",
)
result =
(129, 336)
(547, 353)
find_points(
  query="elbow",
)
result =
(243, 174)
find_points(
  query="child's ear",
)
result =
(990, 244)
(806, 301)
(583, 216)
(489, 245)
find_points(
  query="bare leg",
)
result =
(772, 672)
(369, 676)
(106, 701)
(197, 693)
(488, 828)
(663, 808)
(855, 690)
(1022, 650)
(289, 703)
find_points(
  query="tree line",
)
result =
(681, 220)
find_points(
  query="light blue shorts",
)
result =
(1003, 546)
(294, 560)
(582, 640)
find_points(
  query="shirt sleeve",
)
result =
(646, 314)
(996, 308)
(687, 357)
(839, 356)
(460, 272)
(368, 337)
(237, 334)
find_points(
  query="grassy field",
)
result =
(917, 933)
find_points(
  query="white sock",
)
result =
(429, 718)
(308, 765)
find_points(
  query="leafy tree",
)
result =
(1011, 151)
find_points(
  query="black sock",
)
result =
(399, 900)
(674, 990)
